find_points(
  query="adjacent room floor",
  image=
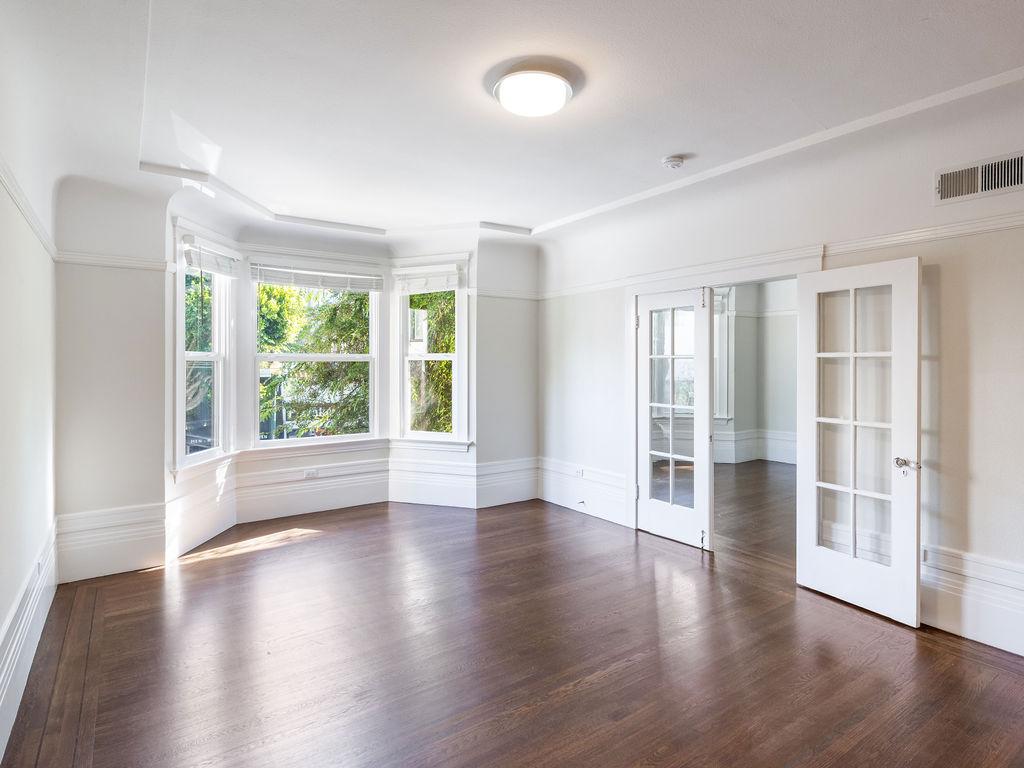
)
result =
(523, 635)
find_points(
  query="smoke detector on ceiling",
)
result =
(673, 162)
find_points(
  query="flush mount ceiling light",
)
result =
(532, 93)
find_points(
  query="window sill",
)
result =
(200, 464)
(432, 444)
(311, 447)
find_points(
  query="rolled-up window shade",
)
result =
(430, 279)
(209, 257)
(337, 281)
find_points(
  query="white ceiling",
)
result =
(376, 113)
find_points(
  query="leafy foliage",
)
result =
(430, 381)
(313, 398)
(198, 311)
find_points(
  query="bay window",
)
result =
(315, 351)
(204, 288)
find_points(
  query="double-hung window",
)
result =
(204, 290)
(315, 353)
(432, 369)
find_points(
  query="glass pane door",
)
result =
(674, 413)
(858, 436)
(854, 467)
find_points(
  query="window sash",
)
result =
(313, 357)
(406, 289)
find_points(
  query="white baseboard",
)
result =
(20, 632)
(278, 493)
(444, 483)
(100, 542)
(972, 596)
(505, 482)
(592, 491)
(754, 444)
(777, 446)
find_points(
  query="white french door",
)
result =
(858, 532)
(674, 405)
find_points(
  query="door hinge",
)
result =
(702, 539)
(703, 297)
(637, 490)
(636, 321)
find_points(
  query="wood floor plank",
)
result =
(525, 635)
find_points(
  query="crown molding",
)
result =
(928, 234)
(798, 259)
(21, 202)
(84, 259)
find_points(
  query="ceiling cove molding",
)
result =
(214, 183)
(854, 126)
(928, 234)
(21, 202)
(84, 259)
(715, 272)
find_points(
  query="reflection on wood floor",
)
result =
(523, 635)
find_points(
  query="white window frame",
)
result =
(417, 277)
(724, 367)
(372, 359)
(219, 356)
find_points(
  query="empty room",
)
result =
(511, 384)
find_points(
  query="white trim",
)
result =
(505, 482)
(927, 234)
(976, 597)
(21, 202)
(595, 492)
(498, 293)
(450, 484)
(428, 444)
(724, 272)
(104, 541)
(20, 632)
(892, 240)
(281, 493)
(820, 137)
(83, 259)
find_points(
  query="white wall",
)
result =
(26, 450)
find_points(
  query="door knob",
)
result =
(905, 464)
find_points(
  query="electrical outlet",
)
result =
(579, 472)
(309, 474)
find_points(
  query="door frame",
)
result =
(756, 269)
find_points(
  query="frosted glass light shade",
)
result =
(533, 94)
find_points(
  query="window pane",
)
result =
(684, 336)
(659, 331)
(682, 483)
(834, 322)
(314, 399)
(834, 520)
(684, 373)
(432, 323)
(661, 372)
(430, 395)
(198, 311)
(834, 387)
(874, 319)
(200, 429)
(661, 424)
(834, 454)
(311, 320)
(660, 478)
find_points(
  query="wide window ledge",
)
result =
(428, 443)
(311, 446)
(200, 463)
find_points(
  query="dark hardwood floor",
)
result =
(524, 635)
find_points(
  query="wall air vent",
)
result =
(987, 177)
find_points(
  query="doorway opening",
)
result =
(755, 427)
